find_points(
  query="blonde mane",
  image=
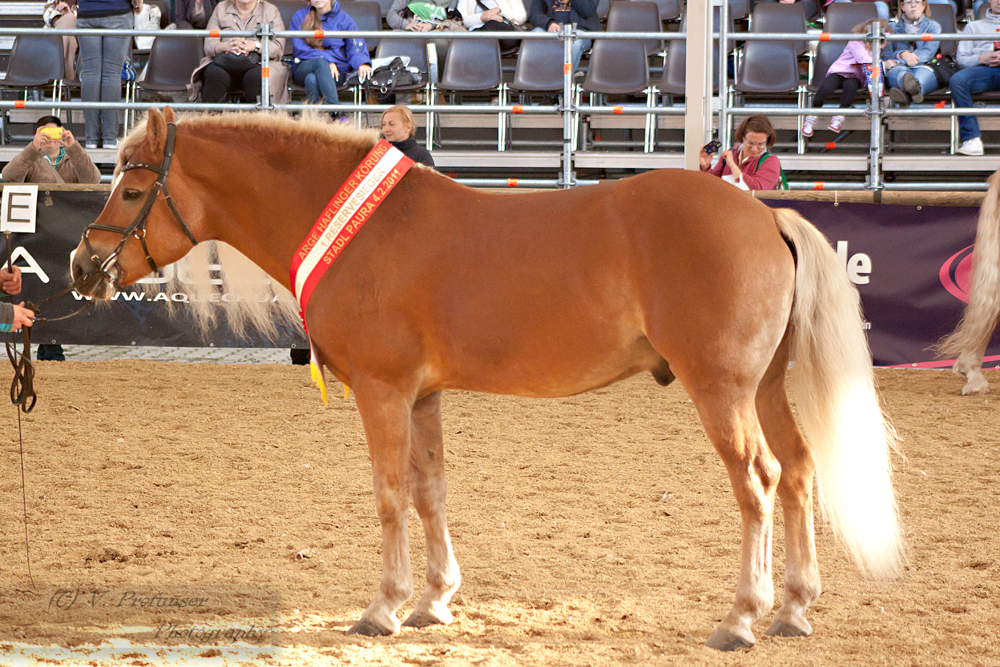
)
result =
(215, 277)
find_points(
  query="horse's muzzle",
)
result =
(90, 280)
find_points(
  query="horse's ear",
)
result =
(156, 132)
(168, 115)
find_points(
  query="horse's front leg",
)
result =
(385, 412)
(428, 488)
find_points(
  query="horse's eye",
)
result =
(132, 194)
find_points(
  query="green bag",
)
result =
(428, 11)
(784, 181)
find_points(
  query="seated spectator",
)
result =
(980, 63)
(551, 15)
(320, 64)
(13, 317)
(193, 14)
(749, 160)
(494, 16)
(53, 156)
(399, 17)
(907, 73)
(61, 15)
(398, 129)
(232, 65)
(846, 73)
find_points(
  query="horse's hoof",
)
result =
(421, 619)
(723, 640)
(975, 389)
(786, 629)
(366, 628)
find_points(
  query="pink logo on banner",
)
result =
(956, 274)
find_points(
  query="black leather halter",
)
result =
(138, 226)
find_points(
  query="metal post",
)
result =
(875, 107)
(568, 109)
(264, 33)
(698, 96)
(723, 69)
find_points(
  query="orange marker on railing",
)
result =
(265, 72)
(19, 104)
(518, 108)
(319, 34)
(213, 33)
(567, 68)
(824, 37)
(939, 105)
(618, 110)
(511, 182)
(830, 145)
(926, 37)
(818, 185)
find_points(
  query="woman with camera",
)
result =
(53, 156)
(748, 165)
(232, 65)
(320, 64)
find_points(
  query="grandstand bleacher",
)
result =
(914, 149)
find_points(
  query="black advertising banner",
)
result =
(911, 265)
(139, 315)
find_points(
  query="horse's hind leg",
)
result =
(385, 412)
(730, 418)
(802, 585)
(970, 365)
(428, 487)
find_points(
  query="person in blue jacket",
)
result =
(321, 63)
(13, 317)
(907, 72)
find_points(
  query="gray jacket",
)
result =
(969, 52)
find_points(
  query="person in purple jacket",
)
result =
(847, 73)
(321, 63)
(13, 317)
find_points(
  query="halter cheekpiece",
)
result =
(138, 226)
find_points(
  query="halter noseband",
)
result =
(138, 226)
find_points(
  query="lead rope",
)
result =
(21, 392)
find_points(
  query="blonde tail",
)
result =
(969, 340)
(834, 386)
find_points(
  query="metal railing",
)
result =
(569, 106)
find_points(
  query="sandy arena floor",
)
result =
(220, 515)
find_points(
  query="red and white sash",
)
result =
(351, 207)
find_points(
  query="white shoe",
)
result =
(971, 147)
(111, 144)
(807, 126)
(91, 145)
(836, 123)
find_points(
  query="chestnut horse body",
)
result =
(546, 294)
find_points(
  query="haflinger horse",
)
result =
(968, 342)
(545, 294)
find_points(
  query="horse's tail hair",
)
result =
(215, 274)
(969, 340)
(849, 436)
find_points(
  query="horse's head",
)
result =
(138, 230)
